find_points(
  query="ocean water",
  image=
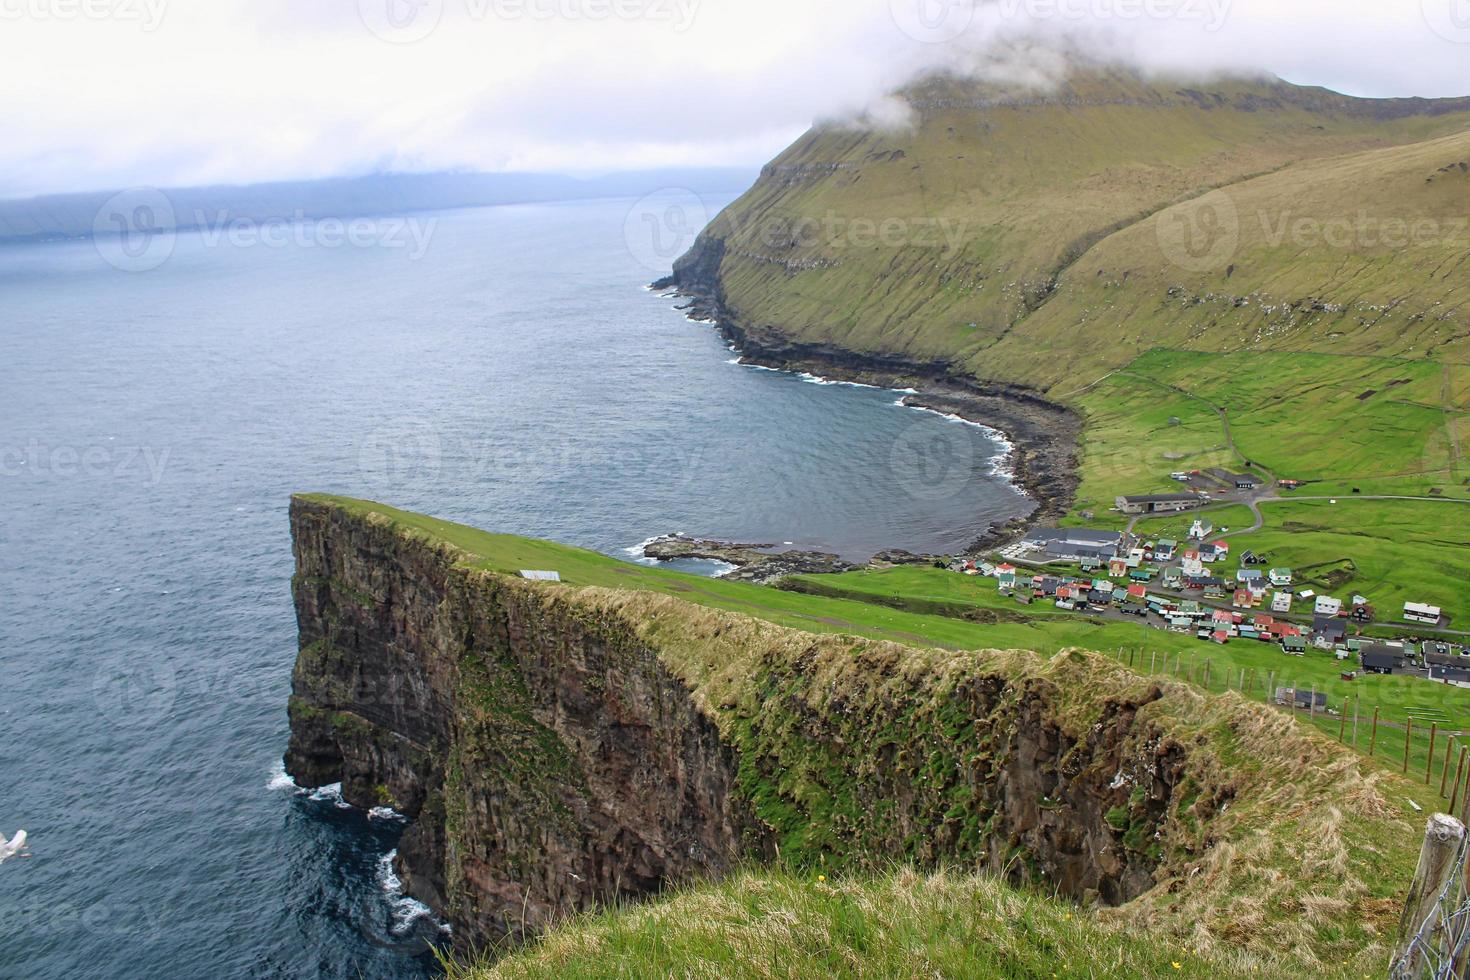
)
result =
(511, 373)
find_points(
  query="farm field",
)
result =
(1391, 551)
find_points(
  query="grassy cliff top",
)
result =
(1303, 868)
(770, 923)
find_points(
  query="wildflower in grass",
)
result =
(821, 878)
(1176, 964)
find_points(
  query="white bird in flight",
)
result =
(16, 847)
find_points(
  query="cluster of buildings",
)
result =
(1124, 574)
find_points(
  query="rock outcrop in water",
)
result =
(557, 748)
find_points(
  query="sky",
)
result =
(103, 94)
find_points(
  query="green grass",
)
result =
(1226, 520)
(1402, 551)
(772, 923)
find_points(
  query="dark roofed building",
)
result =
(1329, 629)
(1381, 658)
(1075, 543)
(1158, 503)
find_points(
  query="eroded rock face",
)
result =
(548, 762)
(553, 755)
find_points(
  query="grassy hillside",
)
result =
(1004, 223)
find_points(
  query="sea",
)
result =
(163, 395)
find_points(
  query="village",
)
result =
(1199, 584)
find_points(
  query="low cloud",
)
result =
(111, 93)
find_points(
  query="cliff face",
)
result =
(557, 748)
(547, 760)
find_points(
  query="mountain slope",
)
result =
(998, 224)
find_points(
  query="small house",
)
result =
(1005, 575)
(1246, 481)
(1201, 529)
(1280, 577)
(1380, 659)
(1117, 567)
(1249, 576)
(1416, 612)
(1328, 631)
(1137, 593)
(1165, 549)
(1281, 602)
(1328, 606)
(1244, 599)
(1173, 578)
(1296, 645)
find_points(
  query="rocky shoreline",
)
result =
(1043, 434)
(758, 563)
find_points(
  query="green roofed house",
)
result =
(1165, 549)
(1280, 577)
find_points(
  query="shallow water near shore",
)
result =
(517, 376)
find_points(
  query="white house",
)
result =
(1281, 577)
(1328, 606)
(1281, 602)
(1201, 529)
(1416, 612)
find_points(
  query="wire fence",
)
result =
(1422, 744)
(1434, 933)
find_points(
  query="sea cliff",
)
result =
(558, 748)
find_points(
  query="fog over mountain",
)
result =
(119, 93)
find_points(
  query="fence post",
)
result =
(1342, 723)
(1408, 732)
(1459, 771)
(1357, 700)
(1373, 742)
(1444, 770)
(1429, 766)
(1312, 705)
(1442, 838)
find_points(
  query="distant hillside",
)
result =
(1047, 238)
(74, 215)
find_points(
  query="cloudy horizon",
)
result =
(114, 93)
